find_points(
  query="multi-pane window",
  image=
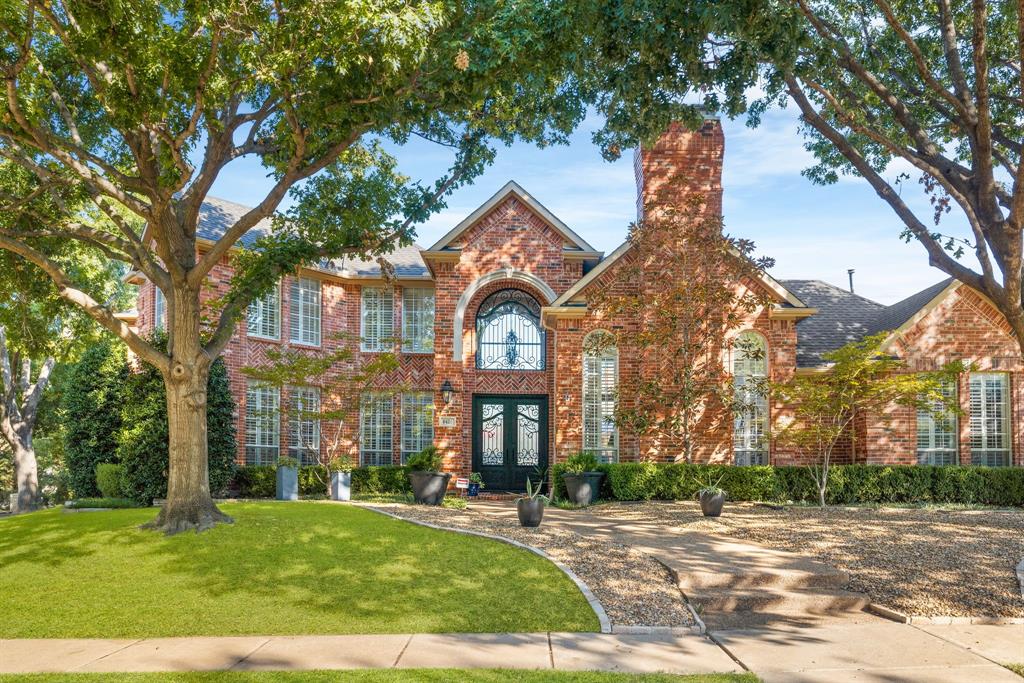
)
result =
(304, 424)
(378, 319)
(375, 429)
(937, 429)
(417, 320)
(262, 424)
(990, 419)
(600, 386)
(750, 418)
(264, 316)
(508, 331)
(417, 422)
(304, 311)
(159, 310)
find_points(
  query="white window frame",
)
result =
(377, 319)
(417, 422)
(304, 316)
(986, 429)
(376, 429)
(418, 320)
(159, 309)
(750, 444)
(304, 429)
(938, 430)
(263, 317)
(600, 390)
(262, 423)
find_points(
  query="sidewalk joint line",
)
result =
(250, 654)
(710, 636)
(402, 652)
(120, 649)
(551, 651)
(955, 644)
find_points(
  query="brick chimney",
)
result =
(694, 157)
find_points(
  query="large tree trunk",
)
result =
(26, 476)
(189, 505)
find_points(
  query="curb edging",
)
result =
(595, 604)
(901, 618)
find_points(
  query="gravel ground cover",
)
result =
(634, 589)
(920, 561)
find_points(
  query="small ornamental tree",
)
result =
(689, 287)
(138, 108)
(341, 378)
(861, 380)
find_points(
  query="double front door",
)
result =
(510, 439)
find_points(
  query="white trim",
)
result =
(477, 285)
(512, 187)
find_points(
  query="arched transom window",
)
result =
(750, 421)
(509, 335)
(600, 388)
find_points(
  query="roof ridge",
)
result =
(836, 288)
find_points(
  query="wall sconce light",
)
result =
(447, 392)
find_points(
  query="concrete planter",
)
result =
(584, 487)
(341, 486)
(287, 483)
(428, 488)
(711, 504)
(530, 511)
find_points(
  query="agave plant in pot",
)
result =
(711, 497)
(429, 483)
(582, 478)
(530, 507)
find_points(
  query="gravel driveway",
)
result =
(926, 562)
(635, 589)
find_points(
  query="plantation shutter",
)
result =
(600, 385)
(159, 310)
(990, 409)
(262, 424)
(377, 319)
(303, 425)
(304, 311)
(264, 316)
(417, 320)
(417, 422)
(937, 431)
(750, 420)
(375, 429)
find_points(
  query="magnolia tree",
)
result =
(339, 379)
(861, 380)
(138, 108)
(682, 282)
(936, 86)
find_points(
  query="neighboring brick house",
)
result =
(492, 321)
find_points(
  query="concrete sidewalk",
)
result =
(683, 654)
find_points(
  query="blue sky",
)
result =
(813, 232)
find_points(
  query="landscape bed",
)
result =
(280, 569)
(931, 562)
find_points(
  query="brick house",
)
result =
(491, 323)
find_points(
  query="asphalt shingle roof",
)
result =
(902, 311)
(217, 215)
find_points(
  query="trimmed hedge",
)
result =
(111, 480)
(260, 481)
(848, 484)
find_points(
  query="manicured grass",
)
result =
(382, 676)
(280, 569)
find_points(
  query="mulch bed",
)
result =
(634, 589)
(921, 561)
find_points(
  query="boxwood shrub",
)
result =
(260, 481)
(848, 484)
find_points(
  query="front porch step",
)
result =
(822, 577)
(811, 603)
(493, 496)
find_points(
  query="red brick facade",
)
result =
(512, 242)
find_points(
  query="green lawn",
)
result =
(382, 676)
(280, 569)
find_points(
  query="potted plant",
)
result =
(429, 483)
(530, 507)
(582, 478)
(476, 484)
(712, 498)
(287, 478)
(340, 469)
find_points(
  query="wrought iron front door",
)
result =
(510, 439)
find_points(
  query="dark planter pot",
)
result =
(583, 487)
(530, 511)
(341, 486)
(711, 504)
(287, 483)
(473, 490)
(428, 488)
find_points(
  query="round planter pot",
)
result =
(583, 488)
(530, 511)
(428, 488)
(341, 486)
(474, 490)
(711, 504)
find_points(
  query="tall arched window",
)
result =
(750, 421)
(600, 387)
(508, 332)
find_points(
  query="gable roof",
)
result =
(897, 315)
(217, 215)
(512, 188)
